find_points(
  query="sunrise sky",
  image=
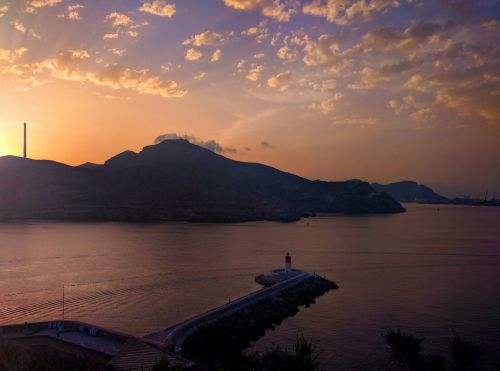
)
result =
(381, 90)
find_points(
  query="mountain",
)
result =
(174, 180)
(89, 165)
(409, 191)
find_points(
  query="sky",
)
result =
(379, 90)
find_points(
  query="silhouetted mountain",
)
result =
(409, 191)
(89, 165)
(174, 180)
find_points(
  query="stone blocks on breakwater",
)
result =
(234, 332)
(276, 276)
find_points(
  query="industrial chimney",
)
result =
(25, 149)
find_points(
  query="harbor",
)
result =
(231, 327)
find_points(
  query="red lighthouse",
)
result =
(288, 263)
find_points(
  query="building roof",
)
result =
(142, 356)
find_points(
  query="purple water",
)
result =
(426, 271)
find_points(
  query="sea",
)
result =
(431, 271)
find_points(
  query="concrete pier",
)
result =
(239, 322)
(179, 333)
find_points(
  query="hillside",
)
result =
(174, 180)
(409, 191)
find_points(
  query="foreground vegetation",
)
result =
(406, 352)
(302, 357)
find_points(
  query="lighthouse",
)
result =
(288, 263)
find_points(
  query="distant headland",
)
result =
(175, 181)
(410, 191)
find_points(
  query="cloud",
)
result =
(322, 86)
(487, 25)
(72, 12)
(325, 51)
(216, 55)
(342, 12)
(110, 36)
(372, 77)
(10, 56)
(28, 76)
(279, 10)
(394, 69)
(208, 38)
(116, 76)
(416, 82)
(211, 144)
(193, 54)
(22, 28)
(287, 54)
(169, 66)
(200, 76)
(240, 66)
(328, 105)
(3, 10)
(259, 32)
(281, 81)
(72, 65)
(473, 100)
(123, 25)
(410, 38)
(118, 52)
(119, 19)
(417, 111)
(19, 26)
(33, 5)
(158, 7)
(255, 72)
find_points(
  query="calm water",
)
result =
(425, 271)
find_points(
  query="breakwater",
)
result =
(230, 334)
(210, 338)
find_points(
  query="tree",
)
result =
(466, 355)
(163, 365)
(405, 349)
(406, 352)
(303, 357)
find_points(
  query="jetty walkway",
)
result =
(176, 335)
(244, 319)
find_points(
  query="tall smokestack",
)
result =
(25, 149)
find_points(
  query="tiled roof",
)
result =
(141, 356)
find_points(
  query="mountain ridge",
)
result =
(174, 180)
(410, 191)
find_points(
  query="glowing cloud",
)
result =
(280, 11)
(72, 12)
(193, 55)
(158, 7)
(33, 5)
(216, 55)
(208, 38)
(255, 72)
(281, 81)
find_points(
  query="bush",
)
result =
(406, 353)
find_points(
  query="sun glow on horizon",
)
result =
(381, 90)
